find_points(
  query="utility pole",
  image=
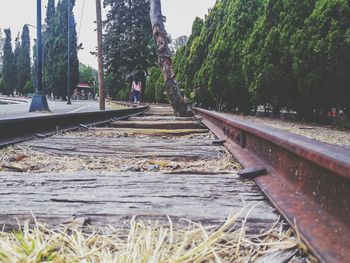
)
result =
(101, 82)
(69, 73)
(39, 101)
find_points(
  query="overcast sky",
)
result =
(180, 15)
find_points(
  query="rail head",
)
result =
(307, 181)
(331, 157)
(15, 129)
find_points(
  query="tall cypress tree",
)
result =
(23, 60)
(60, 58)
(16, 58)
(33, 77)
(289, 54)
(9, 65)
(1, 50)
(49, 44)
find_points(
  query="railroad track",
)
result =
(307, 181)
(16, 130)
(157, 165)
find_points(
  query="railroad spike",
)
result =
(218, 142)
(252, 172)
(41, 135)
(84, 126)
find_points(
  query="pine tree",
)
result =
(1, 51)
(57, 47)
(16, 60)
(9, 65)
(33, 76)
(23, 61)
(49, 44)
(289, 54)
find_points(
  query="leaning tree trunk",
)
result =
(174, 94)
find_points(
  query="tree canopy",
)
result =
(9, 66)
(87, 74)
(55, 48)
(23, 61)
(289, 54)
(129, 47)
(1, 51)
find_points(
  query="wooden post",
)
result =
(101, 82)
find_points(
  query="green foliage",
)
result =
(87, 74)
(1, 50)
(116, 86)
(9, 66)
(289, 54)
(50, 47)
(2, 85)
(128, 45)
(23, 61)
(16, 52)
(155, 86)
(28, 87)
(56, 46)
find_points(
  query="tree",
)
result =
(321, 58)
(129, 47)
(49, 39)
(174, 94)
(9, 65)
(185, 68)
(1, 51)
(16, 58)
(28, 87)
(23, 61)
(56, 46)
(87, 74)
(155, 87)
(33, 76)
(293, 55)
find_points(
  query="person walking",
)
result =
(136, 91)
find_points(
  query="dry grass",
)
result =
(149, 242)
(116, 106)
(320, 133)
(24, 159)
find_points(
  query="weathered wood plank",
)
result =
(162, 118)
(162, 132)
(102, 198)
(129, 147)
(116, 196)
(157, 124)
(159, 113)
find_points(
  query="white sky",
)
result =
(180, 15)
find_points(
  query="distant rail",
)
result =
(307, 181)
(15, 130)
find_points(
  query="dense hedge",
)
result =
(155, 87)
(289, 54)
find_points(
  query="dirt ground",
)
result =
(326, 134)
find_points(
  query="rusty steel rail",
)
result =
(307, 181)
(16, 130)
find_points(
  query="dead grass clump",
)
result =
(25, 159)
(326, 134)
(116, 106)
(148, 242)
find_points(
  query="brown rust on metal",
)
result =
(308, 181)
